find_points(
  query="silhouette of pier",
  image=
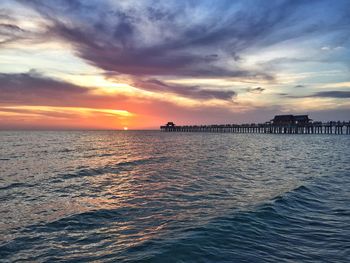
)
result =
(281, 124)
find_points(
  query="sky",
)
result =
(94, 64)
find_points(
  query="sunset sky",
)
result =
(67, 64)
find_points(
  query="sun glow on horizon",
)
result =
(67, 116)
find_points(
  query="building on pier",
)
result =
(283, 120)
(301, 119)
(290, 119)
(170, 124)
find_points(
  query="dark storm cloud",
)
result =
(193, 92)
(112, 38)
(161, 59)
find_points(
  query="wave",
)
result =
(66, 150)
(15, 185)
(115, 168)
(305, 224)
(90, 220)
(298, 226)
(86, 171)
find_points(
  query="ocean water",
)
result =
(147, 196)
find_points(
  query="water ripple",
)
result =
(156, 197)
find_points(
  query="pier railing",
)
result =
(307, 128)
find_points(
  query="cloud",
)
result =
(9, 33)
(122, 56)
(299, 86)
(180, 38)
(193, 92)
(9, 28)
(12, 30)
(336, 94)
(34, 89)
(256, 90)
(33, 112)
(332, 94)
(161, 40)
(26, 88)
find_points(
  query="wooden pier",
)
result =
(273, 127)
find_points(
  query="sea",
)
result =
(151, 196)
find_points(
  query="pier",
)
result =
(281, 124)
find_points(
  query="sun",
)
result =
(125, 128)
